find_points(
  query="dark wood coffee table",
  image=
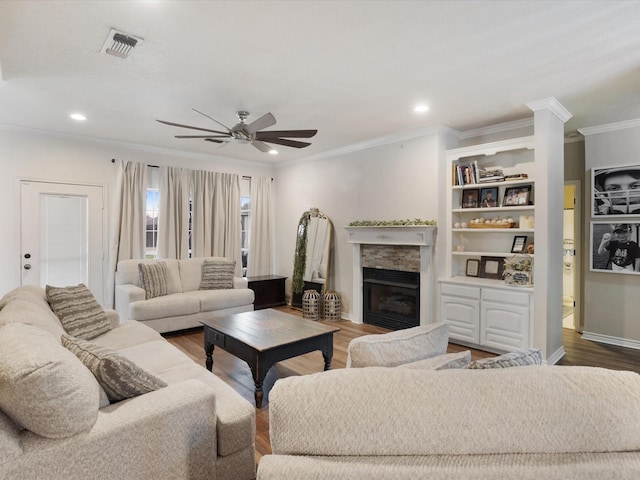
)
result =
(263, 337)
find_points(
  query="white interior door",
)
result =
(62, 235)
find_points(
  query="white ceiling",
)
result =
(351, 69)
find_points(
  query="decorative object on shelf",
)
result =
(526, 221)
(615, 191)
(614, 247)
(516, 196)
(311, 305)
(332, 306)
(470, 198)
(531, 249)
(392, 223)
(519, 242)
(495, 222)
(473, 267)
(491, 267)
(460, 248)
(518, 270)
(489, 197)
(516, 176)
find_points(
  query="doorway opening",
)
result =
(570, 257)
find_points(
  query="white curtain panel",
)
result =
(215, 221)
(128, 217)
(261, 232)
(173, 221)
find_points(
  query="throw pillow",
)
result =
(217, 274)
(442, 362)
(78, 310)
(119, 376)
(153, 278)
(44, 387)
(513, 359)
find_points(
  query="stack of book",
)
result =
(487, 176)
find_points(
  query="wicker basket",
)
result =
(492, 225)
(332, 306)
(311, 305)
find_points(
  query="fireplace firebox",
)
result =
(391, 298)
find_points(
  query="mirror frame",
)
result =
(297, 278)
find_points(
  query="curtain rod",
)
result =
(113, 160)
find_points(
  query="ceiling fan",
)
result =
(252, 133)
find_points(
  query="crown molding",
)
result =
(553, 105)
(497, 128)
(610, 127)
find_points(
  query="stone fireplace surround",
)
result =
(408, 248)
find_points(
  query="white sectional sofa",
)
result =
(185, 305)
(196, 427)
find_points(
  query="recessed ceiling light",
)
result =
(421, 108)
(273, 151)
(78, 117)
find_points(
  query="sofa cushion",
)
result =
(162, 307)
(127, 334)
(9, 439)
(119, 376)
(520, 358)
(44, 387)
(153, 279)
(400, 347)
(127, 273)
(78, 310)
(38, 314)
(217, 274)
(442, 362)
(212, 300)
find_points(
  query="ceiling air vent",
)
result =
(120, 44)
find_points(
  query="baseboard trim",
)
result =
(555, 356)
(620, 342)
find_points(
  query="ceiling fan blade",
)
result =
(189, 126)
(264, 121)
(286, 143)
(214, 140)
(263, 147)
(211, 118)
(286, 133)
(203, 136)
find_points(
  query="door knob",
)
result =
(27, 255)
(27, 266)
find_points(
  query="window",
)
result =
(151, 233)
(245, 220)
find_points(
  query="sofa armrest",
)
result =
(113, 317)
(240, 282)
(169, 433)
(125, 294)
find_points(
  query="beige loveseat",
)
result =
(524, 423)
(185, 305)
(196, 427)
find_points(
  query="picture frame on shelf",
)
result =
(615, 247)
(491, 267)
(473, 267)
(489, 197)
(516, 196)
(470, 198)
(519, 244)
(616, 191)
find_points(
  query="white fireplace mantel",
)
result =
(423, 236)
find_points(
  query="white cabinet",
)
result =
(486, 316)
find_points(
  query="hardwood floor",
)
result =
(236, 372)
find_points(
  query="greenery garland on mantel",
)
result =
(393, 223)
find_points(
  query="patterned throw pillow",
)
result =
(153, 278)
(217, 274)
(78, 310)
(119, 376)
(520, 358)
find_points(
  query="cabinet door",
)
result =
(463, 317)
(504, 326)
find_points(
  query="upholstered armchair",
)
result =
(399, 348)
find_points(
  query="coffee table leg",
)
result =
(327, 352)
(259, 371)
(208, 350)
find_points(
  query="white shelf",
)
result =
(485, 282)
(488, 254)
(493, 184)
(495, 209)
(493, 230)
(492, 148)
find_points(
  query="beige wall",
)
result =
(611, 301)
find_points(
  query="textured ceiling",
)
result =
(351, 69)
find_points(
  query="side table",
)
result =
(269, 291)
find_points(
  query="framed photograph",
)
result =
(614, 247)
(489, 197)
(470, 198)
(615, 191)
(491, 267)
(516, 196)
(519, 243)
(473, 267)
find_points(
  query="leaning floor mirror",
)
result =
(312, 259)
